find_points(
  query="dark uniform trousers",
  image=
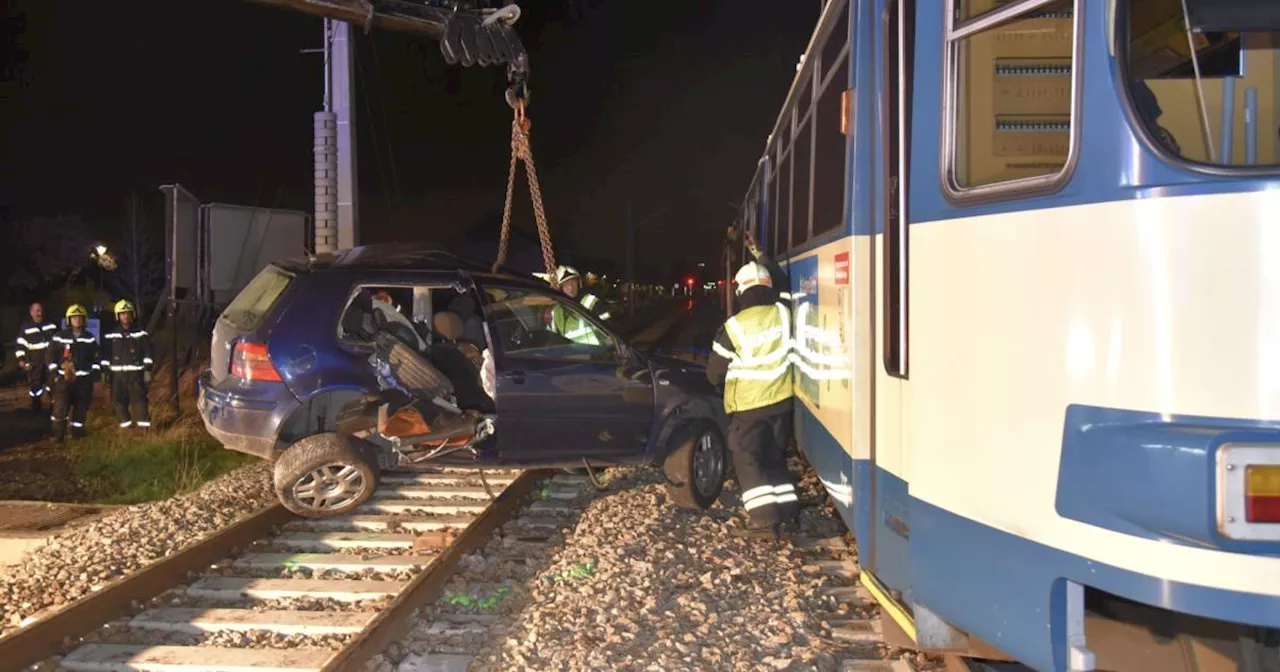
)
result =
(71, 401)
(37, 376)
(129, 390)
(758, 440)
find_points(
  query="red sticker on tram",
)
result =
(842, 268)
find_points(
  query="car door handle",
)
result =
(516, 377)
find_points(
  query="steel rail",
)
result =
(40, 639)
(396, 620)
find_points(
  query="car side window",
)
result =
(534, 325)
(407, 309)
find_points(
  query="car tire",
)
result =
(331, 463)
(695, 467)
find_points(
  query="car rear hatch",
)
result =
(244, 316)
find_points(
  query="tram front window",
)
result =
(1182, 96)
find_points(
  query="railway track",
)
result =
(285, 594)
(278, 593)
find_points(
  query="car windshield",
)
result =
(253, 302)
(1207, 93)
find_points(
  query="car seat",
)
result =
(472, 324)
(450, 328)
(460, 361)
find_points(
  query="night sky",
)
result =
(665, 109)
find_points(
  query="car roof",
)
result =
(406, 256)
(387, 256)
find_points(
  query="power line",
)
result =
(373, 129)
(382, 101)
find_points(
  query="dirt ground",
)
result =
(32, 465)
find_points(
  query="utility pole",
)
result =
(334, 147)
(340, 73)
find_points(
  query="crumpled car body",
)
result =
(296, 355)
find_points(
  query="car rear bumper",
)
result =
(241, 424)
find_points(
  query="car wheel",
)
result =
(324, 475)
(695, 467)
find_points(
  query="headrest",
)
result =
(463, 305)
(448, 325)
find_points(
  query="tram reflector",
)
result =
(846, 112)
(1262, 493)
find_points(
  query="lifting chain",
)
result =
(521, 151)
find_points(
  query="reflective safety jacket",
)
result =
(756, 345)
(79, 348)
(593, 303)
(126, 350)
(34, 339)
(572, 326)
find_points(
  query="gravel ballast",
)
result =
(85, 558)
(638, 584)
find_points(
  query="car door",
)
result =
(560, 401)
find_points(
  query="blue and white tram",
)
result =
(1034, 259)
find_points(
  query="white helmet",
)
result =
(750, 275)
(564, 273)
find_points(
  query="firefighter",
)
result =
(127, 362)
(568, 324)
(751, 357)
(34, 337)
(74, 364)
(571, 284)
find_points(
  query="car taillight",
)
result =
(1262, 493)
(249, 361)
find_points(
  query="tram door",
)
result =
(890, 520)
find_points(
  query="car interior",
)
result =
(429, 365)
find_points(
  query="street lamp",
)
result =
(105, 262)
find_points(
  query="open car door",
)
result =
(562, 399)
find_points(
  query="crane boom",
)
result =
(469, 35)
(393, 15)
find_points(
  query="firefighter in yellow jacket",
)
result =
(751, 356)
(568, 324)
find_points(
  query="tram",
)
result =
(1033, 250)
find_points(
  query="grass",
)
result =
(115, 466)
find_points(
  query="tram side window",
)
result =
(1236, 72)
(800, 163)
(783, 207)
(829, 156)
(1012, 108)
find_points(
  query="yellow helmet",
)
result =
(77, 309)
(124, 306)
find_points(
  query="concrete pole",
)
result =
(325, 159)
(342, 81)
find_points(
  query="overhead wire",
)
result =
(373, 129)
(382, 101)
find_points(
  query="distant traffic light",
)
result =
(689, 281)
